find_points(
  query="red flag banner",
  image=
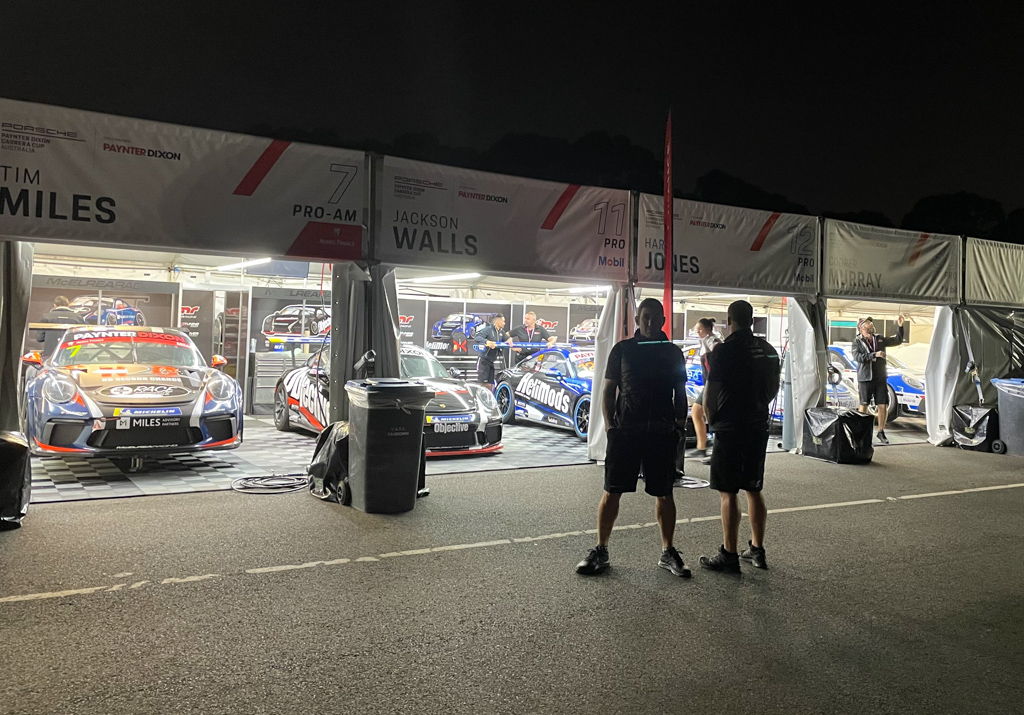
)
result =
(668, 250)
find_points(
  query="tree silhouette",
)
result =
(721, 188)
(961, 213)
(871, 218)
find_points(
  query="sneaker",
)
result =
(696, 453)
(754, 554)
(882, 439)
(595, 563)
(722, 561)
(679, 481)
(672, 560)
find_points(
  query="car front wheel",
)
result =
(506, 402)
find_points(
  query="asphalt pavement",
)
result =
(893, 587)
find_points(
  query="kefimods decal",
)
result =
(537, 390)
(299, 387)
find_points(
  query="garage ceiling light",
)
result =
(244, 264)
(582, 289)
(440, 279)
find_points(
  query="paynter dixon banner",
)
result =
(890, 264)
(75, 176)
(451, 218)
(729, 248)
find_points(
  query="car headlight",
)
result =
(59, 389)
(486, 398)
(913, 382)
(221, 387)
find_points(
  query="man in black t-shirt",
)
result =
(530, 332)
(644, 404)
(743, 379)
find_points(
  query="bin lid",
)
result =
(391, 385)
(1010, 385)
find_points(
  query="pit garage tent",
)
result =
(746, 250)
(979, 340)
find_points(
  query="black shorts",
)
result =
(737, 461)
(485, 371)
(631, 451)
(877, 390)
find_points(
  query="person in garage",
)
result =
(872, 376)
(709, 339)
(743, 379)
(59, 314)
(530, 332)
(489, 336)
(644, 403)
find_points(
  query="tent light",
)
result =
(244, 264)
(440, 279)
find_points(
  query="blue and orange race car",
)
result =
(122, 391)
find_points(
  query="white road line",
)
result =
(205, 578)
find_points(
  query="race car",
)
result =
(124, 391)
(295, 320)
(107, 311)
(552, 387)
(585, 332)
(837, 393)
(461, 419)
(906, 387)
(459, 325)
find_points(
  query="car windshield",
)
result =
(127, 349)
(584, 362)
(422, 366)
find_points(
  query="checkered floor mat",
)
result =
(267, 451)
(264, 452)
(524, 446)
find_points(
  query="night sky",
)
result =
(834, 106)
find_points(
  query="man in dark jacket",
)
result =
(644, 405)
(743, 379)
(872, 376)
(59, 314)
(489, 336)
